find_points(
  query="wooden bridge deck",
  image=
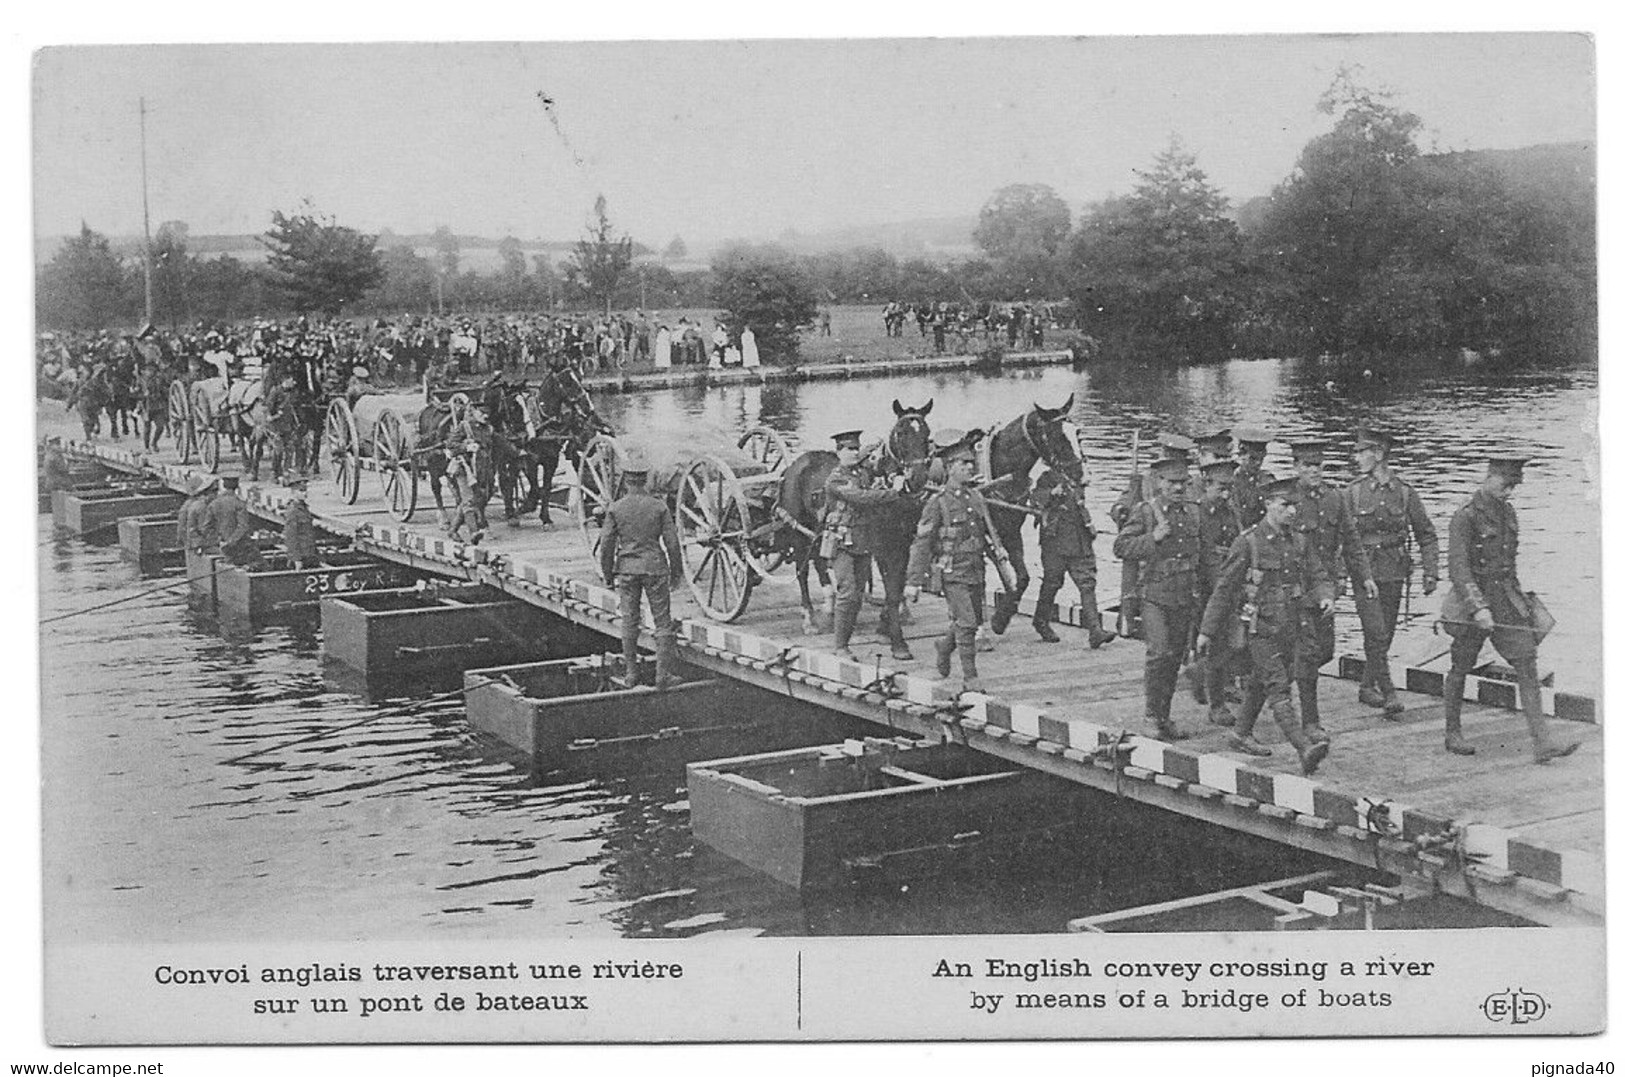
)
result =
(1493, 827)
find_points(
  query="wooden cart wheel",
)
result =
(766, 446)
(393, 458)
(180, 421)
(204, 434)
(344, 450)
(598, 480)
(713, 521)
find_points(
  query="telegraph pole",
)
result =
(146, 221)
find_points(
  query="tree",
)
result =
(319, 264)
(1160, 268)
(768, 289)
(171, 266)
(409, 282)
(601, 259)
(1023, 228)
(676, 250)
(85, 285)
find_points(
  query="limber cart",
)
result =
(378, 434)
(734, 532)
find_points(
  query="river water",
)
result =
(210, 786)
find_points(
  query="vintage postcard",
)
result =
(1005, 538)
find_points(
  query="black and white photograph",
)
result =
(800, 540)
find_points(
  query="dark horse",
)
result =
(906, 452)
(1038, 435)
(561, 420)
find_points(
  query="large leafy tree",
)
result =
(171, 270)
(768, 289)
(319, 264)
(1159, 269)
(85, 285)
(601, 258)
(1023, 228)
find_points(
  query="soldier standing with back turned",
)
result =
(1387, 513)
(641, 557)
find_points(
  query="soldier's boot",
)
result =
(893, 628)
(1041, 619)
(629, 655)
(1311, 752)
(945, 653)
(1159, 697)
(1099, 636)
(1309, 697)
(1196, 680)
(1392, 708)
(1218, 709)
(1455, 685)
(967, 659)
(1370, 695)
(845, 621)
(666, 663)
(1545, 748)
(1241, 736)
(1003, 610)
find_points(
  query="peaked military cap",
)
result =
(1213, 439)
(854, 438)
(1176, 445)
(1252, 435)
(1285, 489)
(1219, 469)
(1511, 466)
(957, 444)
(298, 484)
(634, 462)
(1367, 437)
(1309, 450)
(229, 482)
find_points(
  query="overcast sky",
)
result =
(721, 139)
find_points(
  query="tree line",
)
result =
(1368, 246)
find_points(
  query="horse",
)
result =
(564, 420)
(1037, 435)
(905, 451)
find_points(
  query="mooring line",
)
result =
(139, 594)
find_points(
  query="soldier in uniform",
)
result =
(1163, 536)
(1387, 514)
(191, 517)
(847, 538)
(642, 557)
(299, 527)
(1219, 526)
(282, 421)
(234, 527)
(1324, 519)
(953, 536)
(1140, 487)
(1066, 539)
(1486, 601)
(1251, 478)
(1269, 588)
(58, 472)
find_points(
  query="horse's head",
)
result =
(1046, 429)
(908, 446)
(524, 414)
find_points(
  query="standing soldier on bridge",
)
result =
(193, 523)
(1163, 536)
(299, 527)
(1248, 493)
(235, 528)
(1220, 526)
(1066, 539)
(848, 537)
(636, 527)
(1387, 513)
(1324, 518)
(1486, 601)
(953, 537)
(1268, 591)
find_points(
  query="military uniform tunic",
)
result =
(1168, 577)
(849, 527)
(1247, 494)
(641, 552)
(1325, 521)
(1386, 515)
(299, 534)
(1066, 541)
(952, 534)
(1484, 575)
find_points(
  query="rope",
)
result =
(139, 594)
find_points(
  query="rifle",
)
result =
(1001, 557)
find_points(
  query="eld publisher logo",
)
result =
(1520, 1007)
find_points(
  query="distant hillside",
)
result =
(924, 237)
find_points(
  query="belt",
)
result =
(1382, 542)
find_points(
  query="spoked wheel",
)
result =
(344, 450)
(766, 446)
(598, 480)
(396, 475)
(180, 422)
(713, 521)
(204, 434)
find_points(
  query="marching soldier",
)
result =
(642, 557)
(1324, 519)
(1219, 526)
(1269, 588)
(1162, 535)
(299, 527)
(1486, 601)
(847, 538)
(234, 527)
(954, 534)
(1251, 478)
(1387, 514)
(1066, 538)
(1174, 447)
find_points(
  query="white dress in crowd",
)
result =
(747, 345)
(663, 349)
(731, 357)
